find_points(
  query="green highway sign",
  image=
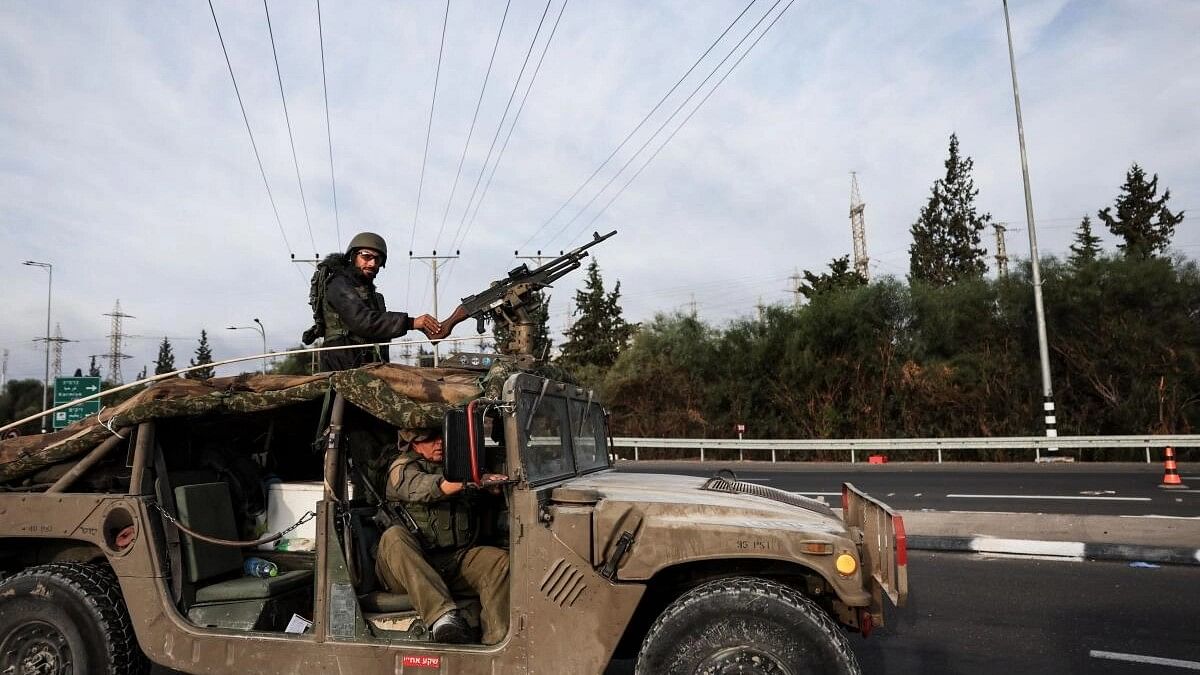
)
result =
(67, 389)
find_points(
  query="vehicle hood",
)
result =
(683, 496)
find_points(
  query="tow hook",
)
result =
(866, 622)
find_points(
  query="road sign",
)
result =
(67, 389)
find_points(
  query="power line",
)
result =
(500, 127)
(428, 132)
(291, 140)
(517, 116)
(684, 122)
(328, 132)
(253, 145)
(672, 116)
(471, 130)
(645, 119)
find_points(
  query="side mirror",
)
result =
(462, 436)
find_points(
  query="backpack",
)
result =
(316, 300)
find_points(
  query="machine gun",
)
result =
(514, 299)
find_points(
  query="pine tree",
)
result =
(839, 278)
(1087, 245)
(945, 246)
(93, 370)
(203, 357)
(542, 342)
(1144, 223)
(142, 373)
(165, 362)
(600, 333)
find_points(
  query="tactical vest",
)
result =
(445, 524)
(335, 328)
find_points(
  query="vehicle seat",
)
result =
(223, 596)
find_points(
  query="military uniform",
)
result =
(442, 558)
(355, 313)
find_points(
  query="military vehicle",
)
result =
(124, 537)
(684, 574)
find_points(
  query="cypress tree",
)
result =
(203, 357)
(945, 246)
(1087, 245)
(600, 333)
(165, 362)
(1144, 223)
(93, 369)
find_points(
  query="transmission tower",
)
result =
(115, 355)
(56, 360)
(1001, 251)
(858, 229)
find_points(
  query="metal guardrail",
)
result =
(883, 445)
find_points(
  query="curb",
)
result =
(1074, 550)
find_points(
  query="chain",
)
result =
(308, 515)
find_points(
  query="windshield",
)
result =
(588, 436)
(562, 437)
(546, 459)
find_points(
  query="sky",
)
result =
(125, 161)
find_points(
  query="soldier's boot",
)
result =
(451, 628)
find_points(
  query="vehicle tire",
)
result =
(66, 618)
(745, 625)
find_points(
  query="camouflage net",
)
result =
(403, 396)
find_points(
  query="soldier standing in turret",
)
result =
(442, 553)
(347, 309)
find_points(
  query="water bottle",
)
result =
(257, 567)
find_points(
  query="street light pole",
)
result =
(1039, 308)
(261, 331)
(46, 378)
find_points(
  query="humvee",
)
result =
(123, 539)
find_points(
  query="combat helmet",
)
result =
(368, 240)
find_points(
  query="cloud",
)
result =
(124, 159)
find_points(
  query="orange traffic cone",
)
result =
(1171, 477)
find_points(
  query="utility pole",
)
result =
(858, 229)
(115, 354)
(1043, 348)
(3, 371)
(1001, 251)
(433, 261)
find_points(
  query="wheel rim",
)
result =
(742, 659)
(35, 648)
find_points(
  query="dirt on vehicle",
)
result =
(124, 538)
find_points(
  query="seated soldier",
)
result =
(442, 555)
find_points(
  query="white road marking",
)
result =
(1097, 493)
(1153, 515)
(1138, 658)
(1061, 549)
(918, 494)
(1073, 497)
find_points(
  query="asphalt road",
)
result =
(1082, 488)
(976, 614)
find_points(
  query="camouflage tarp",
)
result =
(403, 396)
